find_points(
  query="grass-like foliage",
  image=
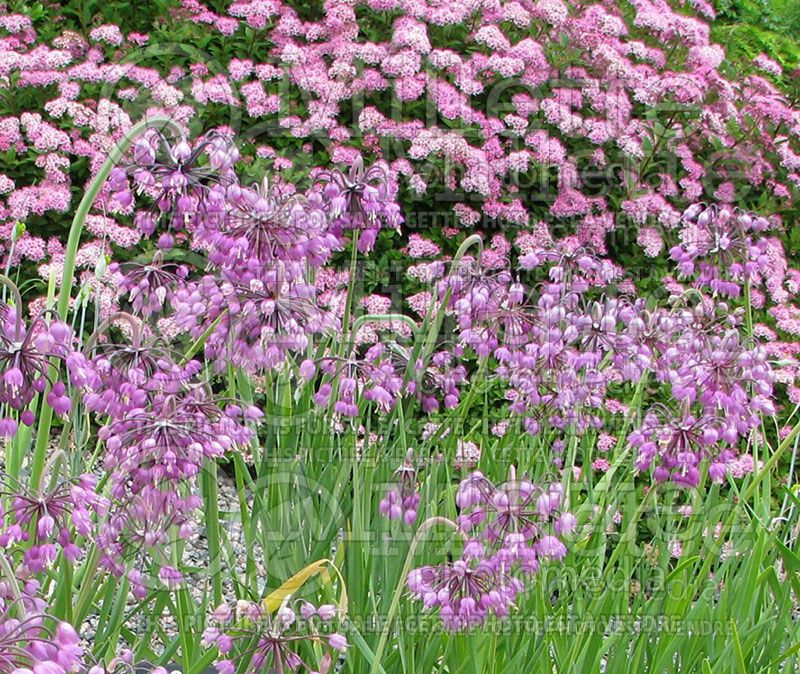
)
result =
(392, 336)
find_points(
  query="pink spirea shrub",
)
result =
(575, 128)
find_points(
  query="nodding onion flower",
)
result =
(44, 521)
(163, 423)
(115, 375)
(149, 286)
(254, 324)
(185, 189)
(402, 498)
(508, 530)
(360, 199)
(465, 591)
(511, 519)
(29, 644)
(279, 642)
(26, 353)
(269, 221)
(718, 247)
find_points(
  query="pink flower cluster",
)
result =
(510, 529)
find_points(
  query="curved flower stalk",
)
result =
(70, 259)
(86, 203)
(349, 377)
(276, 642)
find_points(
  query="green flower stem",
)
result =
(67, 277)
(160, 122)
(727, 525)
(8, 574)
(211, 509)
(351, 285)
(427, 333)
(398, 592)
(749, 309)
(438, 315)
(89, 577)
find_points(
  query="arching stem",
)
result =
(158, 122)
(398, 592)
(134, 323)
(70, 254)
(12, 287)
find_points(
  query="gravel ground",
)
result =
(196, 555)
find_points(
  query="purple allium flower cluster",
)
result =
(383, 375)
(465, 591)
(267, 222)
(26, 350)
(722, 388)
(273, 642)
(30, 640)
(510, 529)
(257, 303)
(149, 287)
(560, 349)
(556, 344)
(361, 200)
(48, 522)
(187, 184)
(441, 379)
(256, 319)
(512, 521)
(549, 340)
(162, 424)
(402, 498)
(719, 248)
(373, 377)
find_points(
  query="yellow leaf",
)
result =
(273, 601)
